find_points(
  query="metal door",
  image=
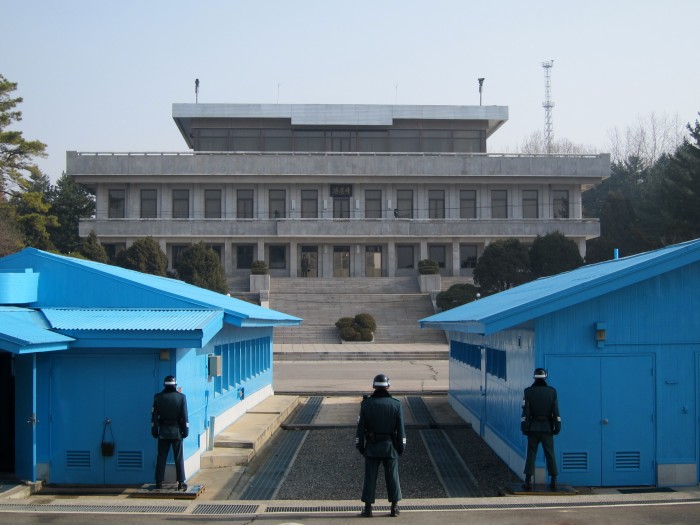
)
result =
(25, 417)
(607, 407)
(86, 392)
(627, 421)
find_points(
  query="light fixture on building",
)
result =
(600, 334)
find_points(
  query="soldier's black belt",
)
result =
(378, 438)
(540, 418)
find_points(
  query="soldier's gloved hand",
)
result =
(185, 433)
(154, 432)
(557, 428)
(523, 428)
(361, 449)
(400, 450)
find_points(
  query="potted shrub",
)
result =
(357, 329)
(259, 268)
(428, 267)
(259, 277)
(429, 278)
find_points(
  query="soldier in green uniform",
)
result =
(170, 425)
(540, 422)
(381, 438)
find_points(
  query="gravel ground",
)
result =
(328, 467)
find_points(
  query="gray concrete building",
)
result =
(336, 190)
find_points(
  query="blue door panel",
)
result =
(578, 445)
(25, 417)
(85, 392)
(77, 407)
(130, 385)
(627, 420)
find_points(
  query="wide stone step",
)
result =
(238, 443)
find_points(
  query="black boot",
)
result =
(553, 484)
(367, 512)
(394, 509)
(527, 486)
(181, 485)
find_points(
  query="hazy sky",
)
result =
(100, 75)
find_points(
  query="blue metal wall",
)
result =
(658, 318)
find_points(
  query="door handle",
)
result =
(604, 421)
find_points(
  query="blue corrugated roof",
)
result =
(26, 330)
(534, 299)
(132, 319)
(237, 312)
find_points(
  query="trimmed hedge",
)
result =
(428, 267)
(358, 328)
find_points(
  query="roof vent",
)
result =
(18, 287)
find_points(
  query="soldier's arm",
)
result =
(556, 418)
(360, 434)
(401, 430)
(525, 415)
(154, 418)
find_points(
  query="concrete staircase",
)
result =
(238, 443)
(396, 304)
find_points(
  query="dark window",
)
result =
(245, 204)
(436, 204)
(213, 140)
(212, 204)
(560, 204)
(372, 141)
(404, 256)
(467, 141)
(278, 257)
(181, 204)
(176, 251)
(278, 204)
(277, 139)
(437, 253)
(245, 140)
(405, 140)
(309, 141)
(465, 353)
(373, 204)
(244, 256)
(496, 363)
(341, 208)
(467, 204)
(342, 141)
(117, 204)
(499, 204)
(467, 255)
(530, 204)
(113, 250)
(404, 203)
(309, 204)
(437, 141)
(149, 204)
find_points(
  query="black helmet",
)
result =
(380, 381)
(169, 381)
(540, 373)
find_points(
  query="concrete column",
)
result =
(391, 259)
(293, 251)
(456, 266)
(261, 251)
(423, 251)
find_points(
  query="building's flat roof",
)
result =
(337, 114)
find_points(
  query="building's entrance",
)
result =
(341, 261)
(86, 393)
(607, 407)
(308, 265)
(7, 414)
(373, 261)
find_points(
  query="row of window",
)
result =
(241, 361)
(470, 355)
(395, 140)
(373, 209)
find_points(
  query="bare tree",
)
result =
(647, 139)
(535, 144)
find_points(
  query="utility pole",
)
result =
(548, 104)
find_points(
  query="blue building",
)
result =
(84, 347)
(621, 342)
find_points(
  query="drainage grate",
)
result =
(307, 412)
(421, 414)
(211, 510)
(266, 482)
(449, 466)
(116, 509)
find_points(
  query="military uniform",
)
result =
(170, 424)
(381, 438)
(540, 422)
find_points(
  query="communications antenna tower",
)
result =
(548, 104)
